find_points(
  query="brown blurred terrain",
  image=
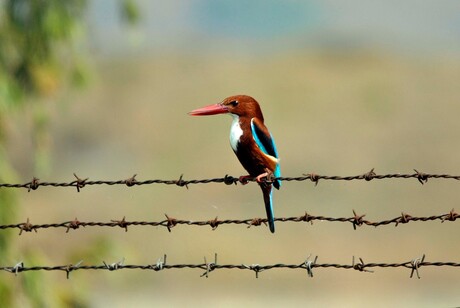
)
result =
(333, 114)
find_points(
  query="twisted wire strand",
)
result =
(79, 183)
(356, 220)
(308, 265)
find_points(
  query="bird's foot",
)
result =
(260, 176)
(244, 179)
(267, 177)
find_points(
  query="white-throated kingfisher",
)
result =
(252, 143)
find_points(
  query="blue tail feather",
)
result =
(267, 192)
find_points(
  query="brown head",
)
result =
(240, 105)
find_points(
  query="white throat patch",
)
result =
(235, 132)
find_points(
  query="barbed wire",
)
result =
(79, 183)
(356, 220)
(307, 265)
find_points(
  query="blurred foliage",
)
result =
(38, 57)
(41, 55)
(38, 293)
(130, 11)
(33, 33)
(8, 200)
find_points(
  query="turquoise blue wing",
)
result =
(265, 142)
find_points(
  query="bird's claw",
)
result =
(260, 176)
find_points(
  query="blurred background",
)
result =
(102, 89)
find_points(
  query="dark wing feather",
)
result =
(265, 142)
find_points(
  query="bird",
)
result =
(252, 143)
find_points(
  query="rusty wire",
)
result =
(307, 265)
(79, 183)
(356, 220)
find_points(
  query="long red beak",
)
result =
(209, 110)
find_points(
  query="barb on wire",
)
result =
(72, 267)
(209, 266)
(361, 266)
(160, 264)
(309, 265)
(18, 267)
(115, 266)
(356, 221)
(415, 266)
(80, 183)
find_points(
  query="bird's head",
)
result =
(239, 105)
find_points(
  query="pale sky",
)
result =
(204, 25)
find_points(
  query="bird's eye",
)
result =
(234, 103)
